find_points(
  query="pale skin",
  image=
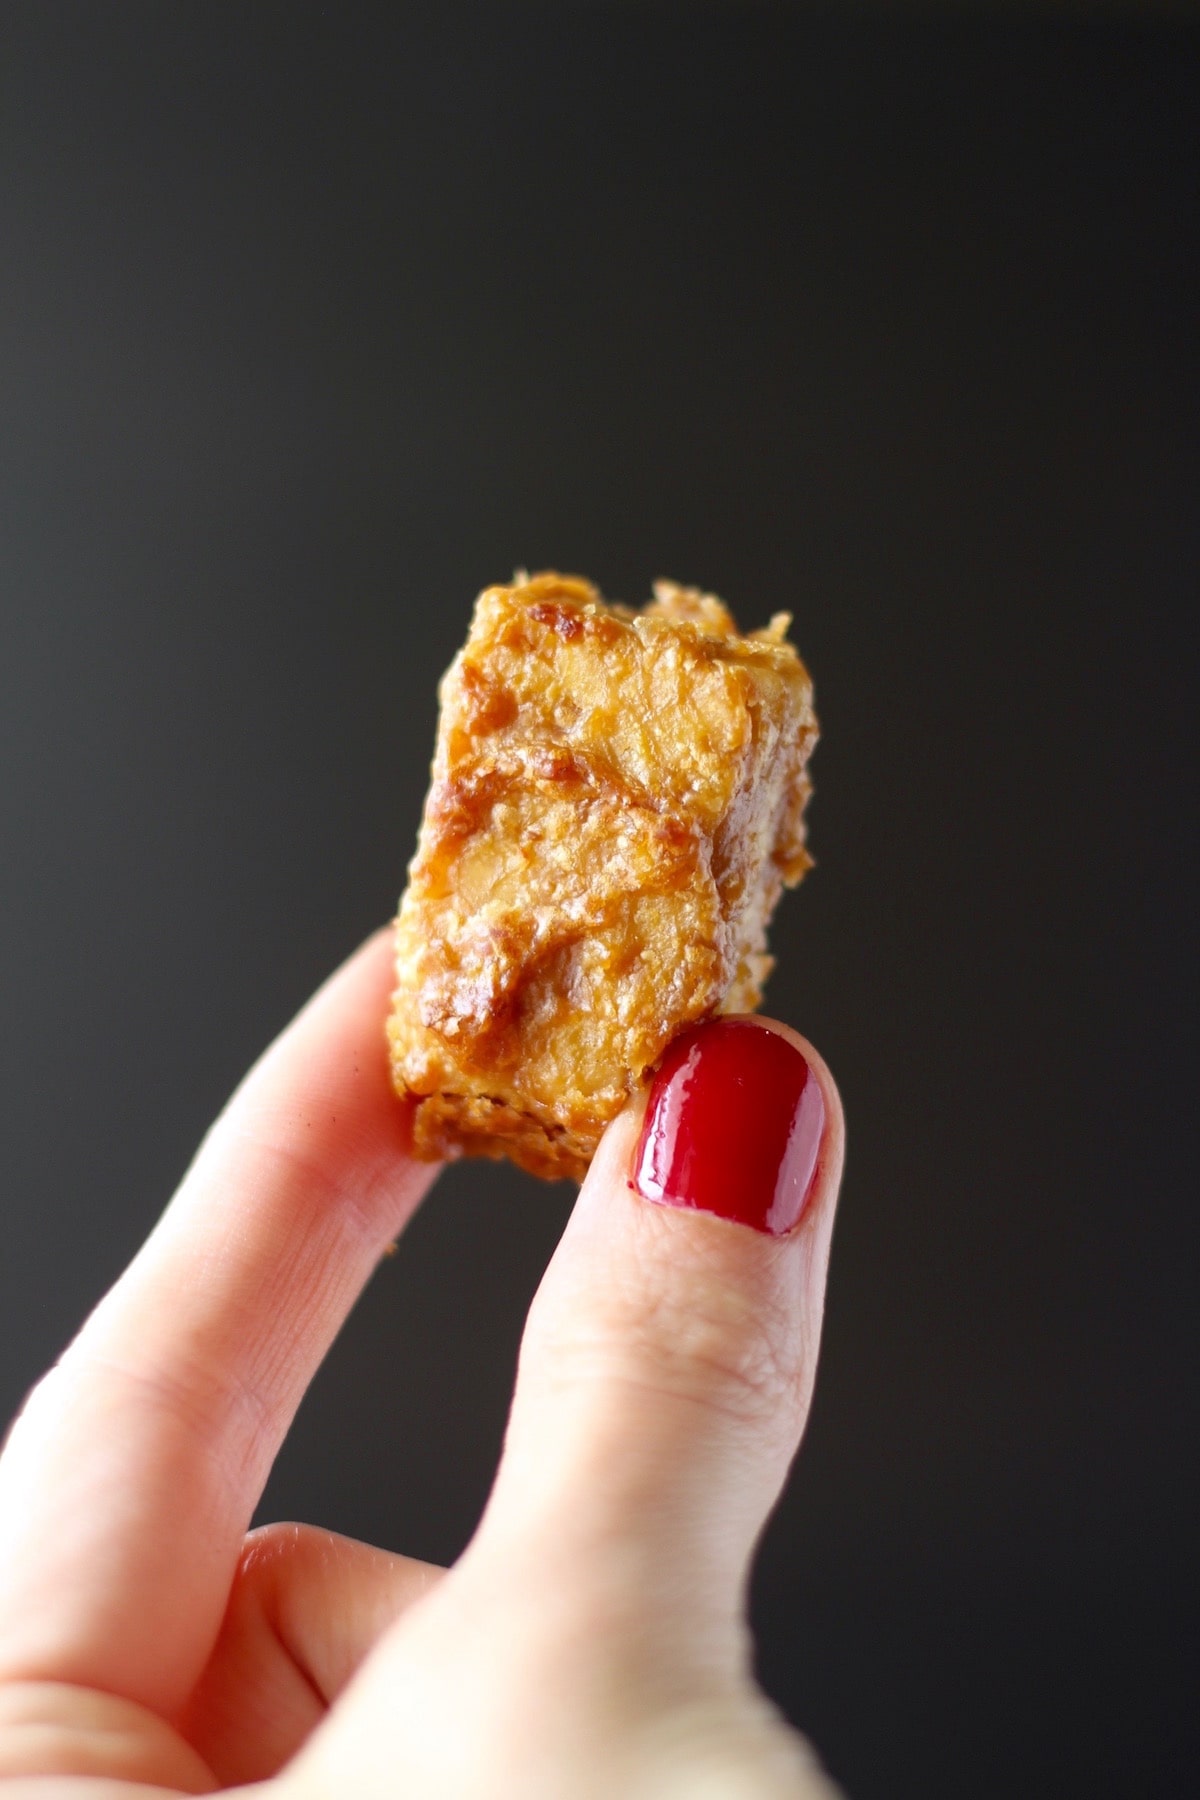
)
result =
(591, 1641)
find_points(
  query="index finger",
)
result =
(131, 1475)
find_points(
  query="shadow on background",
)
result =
(312, 322)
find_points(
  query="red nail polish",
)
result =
(733, 1126)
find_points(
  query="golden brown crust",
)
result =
(617, 803)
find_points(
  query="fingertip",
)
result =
(324, 1086)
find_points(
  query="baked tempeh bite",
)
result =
(616, 806)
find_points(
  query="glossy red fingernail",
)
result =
(733, 1126)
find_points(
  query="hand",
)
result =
(590, 1642)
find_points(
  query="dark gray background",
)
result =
(315, 320)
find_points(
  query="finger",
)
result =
(130, 1478)
(668, 1362)
(305, 1608)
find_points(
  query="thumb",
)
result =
(668, 1362)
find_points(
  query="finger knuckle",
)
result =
(719, 1351)
(700, 1342)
